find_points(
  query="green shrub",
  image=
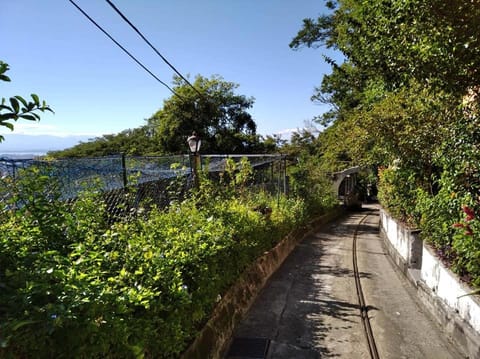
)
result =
(308, 182)
(466, 244)
(397, 188)
(74, 286)
(445, 222)
(438, 212)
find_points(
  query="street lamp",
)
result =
(194, 143)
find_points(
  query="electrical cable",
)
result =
(150, 44)
(125, 50)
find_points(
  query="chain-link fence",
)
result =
(127, 182)
(269, 171)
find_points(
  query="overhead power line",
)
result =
(153, 47)
(125, 50)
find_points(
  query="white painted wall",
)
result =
(396, 235)
(442, 282)
(449, 289)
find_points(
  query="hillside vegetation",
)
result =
(405, 102)
(74, 285)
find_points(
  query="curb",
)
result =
(212, 340)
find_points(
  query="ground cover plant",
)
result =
(75, 286)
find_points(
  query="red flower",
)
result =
(468, 231)
(458, 225)
(469, 212)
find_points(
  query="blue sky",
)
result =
(94, 88)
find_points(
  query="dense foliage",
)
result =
(406, 101)
(213, 110)
(74, 286)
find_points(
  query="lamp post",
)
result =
(194, 143)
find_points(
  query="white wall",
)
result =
(449, 288)
(443, 284)
(396, 235)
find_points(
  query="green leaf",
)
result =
(32, 117)
(15, 104)
(22, 100)
(8, 116)
(35, 99)
(46, 108)
(137, 351)
(7, 125)
(5, 78)
(23, 323)
(3, 67)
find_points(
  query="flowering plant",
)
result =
(466, 224)
(466, 243)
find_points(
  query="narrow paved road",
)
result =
(309, 308)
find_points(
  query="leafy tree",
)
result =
(18, 107)
(394, 51)
(271, 144)
(406, 99)
(213, 110)
(334, 146)
(432, 41)
(303, 142)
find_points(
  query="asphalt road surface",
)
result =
(310, 308)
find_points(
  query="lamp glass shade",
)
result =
(194, 142)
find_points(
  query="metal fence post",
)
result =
(279, 181)
(285, 177)
(13, 171)
(124, 171)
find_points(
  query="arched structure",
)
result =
(344, 184)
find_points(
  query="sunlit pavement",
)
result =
(309, 307)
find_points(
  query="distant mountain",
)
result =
(39, 144)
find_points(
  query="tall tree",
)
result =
(395, 51)
(213, 110)
(408, 95)
(433, 41)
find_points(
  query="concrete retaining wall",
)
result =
(442, 293)
(405, 241)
